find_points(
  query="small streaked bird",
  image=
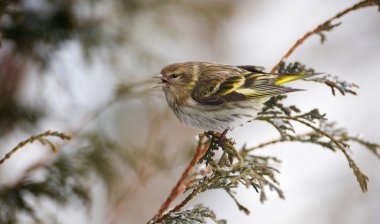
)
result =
(218, 97)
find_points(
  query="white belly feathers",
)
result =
(219, 118)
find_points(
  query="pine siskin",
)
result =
(217, 97)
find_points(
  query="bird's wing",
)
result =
(253, 68)
(231, 84)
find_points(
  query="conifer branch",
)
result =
(40, 137)
(226, 172)
(326, 26)
(197, 214)
(360, 176)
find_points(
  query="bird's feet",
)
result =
(222, 137)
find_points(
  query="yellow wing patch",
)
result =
(246, 91)
(257, 91)
(285, 78)
(230, 85)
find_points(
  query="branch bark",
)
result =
(181, 184)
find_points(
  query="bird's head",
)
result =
(178, 80)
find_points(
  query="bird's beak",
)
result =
(164, 81)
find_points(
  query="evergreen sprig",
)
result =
(198, 214)
(246, 170)
(228, 171)
(324, 133)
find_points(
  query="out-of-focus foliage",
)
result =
(30, 30)
(13, 113)
(36, 28)
(68, 178)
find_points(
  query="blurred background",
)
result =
(84, 68)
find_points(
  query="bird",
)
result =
(219, 97)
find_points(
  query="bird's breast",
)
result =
(220, 117)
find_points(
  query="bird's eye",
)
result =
(173, 76)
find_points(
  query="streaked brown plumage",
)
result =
(216, 97)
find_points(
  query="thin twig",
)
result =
(339, 145)
(373, 147)
(322, 26)
(33, 138)
(275, 141)
(265, 144)
(181, 185)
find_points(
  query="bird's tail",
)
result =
(285, 78)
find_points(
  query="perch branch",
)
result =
(181, 184)
(180, 205)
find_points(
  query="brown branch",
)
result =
(180, 205)
(181, 184)
(321, 27)
(31, 139)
